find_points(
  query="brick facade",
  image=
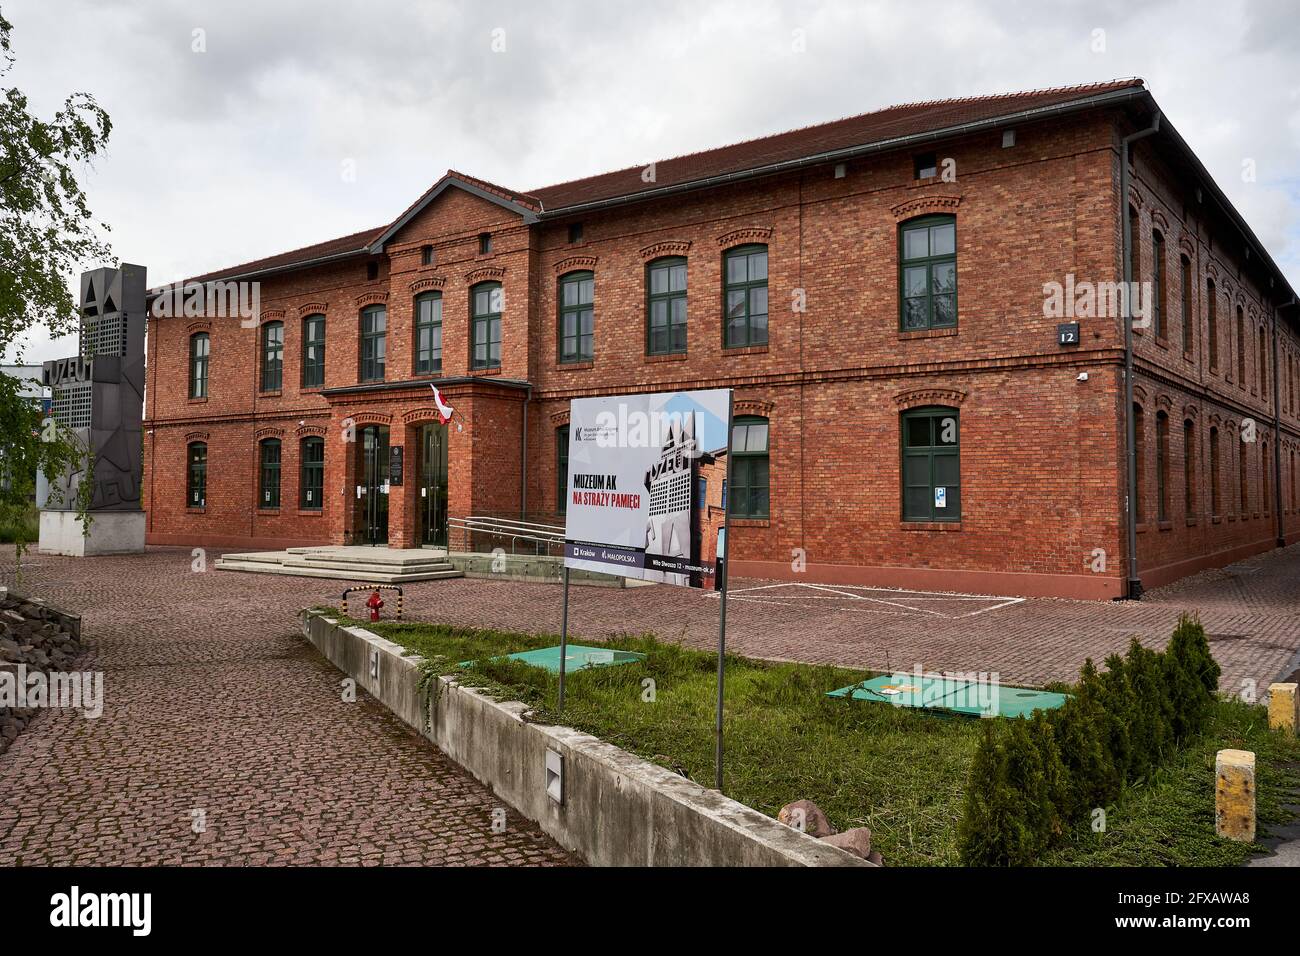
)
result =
(1041, 452)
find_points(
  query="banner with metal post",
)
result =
(644, 472)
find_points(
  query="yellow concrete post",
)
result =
(1283, 707)
(1234, 795)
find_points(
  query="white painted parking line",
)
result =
(852, 594)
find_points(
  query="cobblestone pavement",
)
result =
(1251, 610)
(215, 707)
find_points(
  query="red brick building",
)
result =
(876, 291)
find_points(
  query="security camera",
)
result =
(1083, 377)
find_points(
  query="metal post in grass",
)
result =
(564, 638)
(720, 569)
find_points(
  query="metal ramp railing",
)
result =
(486, 533)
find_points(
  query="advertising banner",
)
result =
(638, 466)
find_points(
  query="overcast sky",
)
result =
(286, 122)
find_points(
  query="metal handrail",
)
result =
(513, 529)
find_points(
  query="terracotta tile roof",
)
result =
(865, 129)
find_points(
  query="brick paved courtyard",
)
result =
(214, 702)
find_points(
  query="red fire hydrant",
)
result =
(374, 602)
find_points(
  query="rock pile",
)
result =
(806, 816)
(38, 636)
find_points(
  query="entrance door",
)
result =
(373, 503)
(433, 484)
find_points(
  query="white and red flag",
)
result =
(445, 411)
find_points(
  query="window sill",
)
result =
(196, 401)
(496, 370)
(575, 366)
(665, 357)
(1191, 522)
(1216, 519)
(195, 511)
(929, 526)
(270, 393)
(744, 349)
(904, 336)
(310, 512)
(1165, 525)
(311, 389)
(1255, 515)
(1161, 341)
(1189, 357)
(268, 512)
(748, 522)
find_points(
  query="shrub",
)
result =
(1031, 779)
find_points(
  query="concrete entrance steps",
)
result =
(359, 564)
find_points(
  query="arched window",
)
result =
(1243, 467)
(428, 333)
(577, 319)
(1139, 446)
(1135, 248)
(1263, 363)
(744, 296)
(272, 356)
(1189, 320)
(1212, 319)
(199, 345)
(749, 494)
(269, 458)
(1189, 469)
(196, 475)
(1216, 501)
(486, 305)
(1158, 283)
(1241, 347)
(313, 351)
(1266, 486)
(928, 273)
(666, 306)
(931, 464)
(1162, 466)
(312, 477)
(374, 342)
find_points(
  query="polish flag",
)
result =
(445, 411)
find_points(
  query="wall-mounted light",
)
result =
(555, 775)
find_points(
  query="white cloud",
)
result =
(235, 153)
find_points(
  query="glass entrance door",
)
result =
(373, 490)
(433, 484)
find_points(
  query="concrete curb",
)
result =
(617, 809)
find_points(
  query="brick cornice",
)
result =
(201, 325)
(428, 282)
(311, 308)
(737, 237)
(269, 431)
(667, 247)
(303, 431)
(373, 297)
(485, 272)
(928, 395)
(196, 436)
(752, 406)
(925, 206)
(570, 263)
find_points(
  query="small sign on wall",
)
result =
(1067, 333)
(941, 497)
(395, 465)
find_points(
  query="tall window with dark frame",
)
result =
(1158, 284)
(1212, 317)
(374, 342)
(199, 346)
(744, 296)
(1265, 485)
(928, 273)
(748, 496)
(269, 455)
(1241, 347)
(562, 469)
(485, 325)
(1243, 466)
(1263, 363)
(1189, 469)
(196, 475)
(313, 351)
(931, 464)
(1135, 249)
(312, 473)
(1216, 500)
(666, 306)
(1189, 321)
(428, 333)
(1162, 466)
(272, 356)
(577, 321)
(1139, 446)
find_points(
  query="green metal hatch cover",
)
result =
(578, 657)
(955, 695)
